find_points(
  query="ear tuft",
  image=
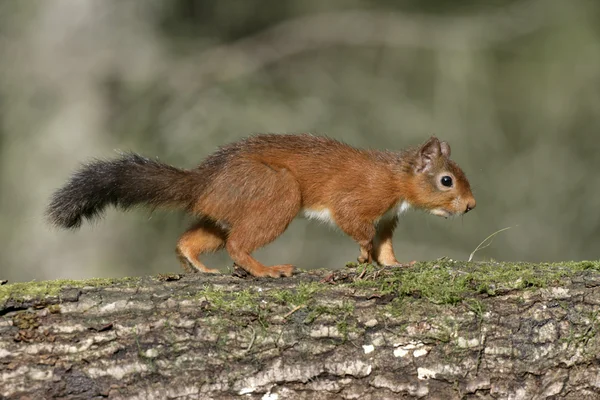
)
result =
(445, 147)
(431, 147)
(427, 154)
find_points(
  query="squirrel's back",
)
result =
(326, 170)
(281, 150)
(305, 154)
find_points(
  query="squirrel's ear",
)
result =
(427, 154)
(445, 147)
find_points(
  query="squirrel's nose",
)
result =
(470, 205)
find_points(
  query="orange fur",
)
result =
(248, 192)
(272, 177)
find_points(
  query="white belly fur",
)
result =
(324, 214)
(395, 211)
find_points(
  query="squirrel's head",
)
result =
(438, 185)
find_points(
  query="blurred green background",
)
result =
(514, 86)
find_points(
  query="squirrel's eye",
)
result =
(446, 181)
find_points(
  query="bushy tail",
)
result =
(125, 182)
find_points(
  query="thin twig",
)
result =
(362, 274)
(479, 247)
(294, 310)
(251, 340)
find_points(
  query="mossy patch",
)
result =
(580, 335)
(243, 300)
(300, 296)
(259, 307)
(255, 302)
(22, 291)
(451, 282)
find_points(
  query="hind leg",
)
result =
(276, 200)
(204, 237)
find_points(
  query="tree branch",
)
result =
(443, 329)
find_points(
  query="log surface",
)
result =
(356, 333)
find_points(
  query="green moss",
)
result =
(302, 295)
(32, 290)
(54, 308)
(342, 327)
(584, 336)
(451, 282)
(244, 300)
(477, 307)
(441, 334)
(341, 312)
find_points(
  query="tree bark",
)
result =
(357, 333)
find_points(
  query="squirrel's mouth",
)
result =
(440, 212)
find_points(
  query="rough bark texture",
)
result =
(357, 333)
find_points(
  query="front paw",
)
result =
(398, 264)
(387, 260)
(283, 270)
(364, 259)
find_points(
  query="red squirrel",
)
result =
(247, 193)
